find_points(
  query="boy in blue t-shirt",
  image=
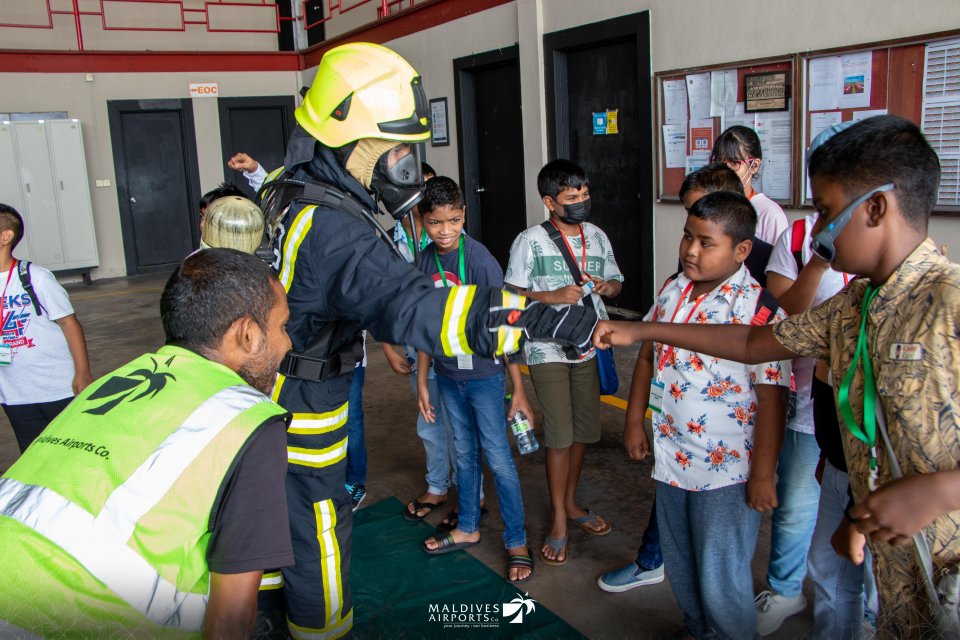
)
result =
(471, 388)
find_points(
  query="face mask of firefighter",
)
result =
(575, 213)
(398, 184)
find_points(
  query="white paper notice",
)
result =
(856, 70)
(674, 145)
(774, 130)
(748, 120)
(819, 122)
(868, 113)
(723, 92)
(698, 95)
(824, 83)
(675, 102)
(696, 161)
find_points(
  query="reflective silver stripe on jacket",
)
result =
(100, 543)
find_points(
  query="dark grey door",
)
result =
(490, 135)
(258, 126)
(595, 68)
(158, 184)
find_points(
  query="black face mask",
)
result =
(399, 187)
(575, 213)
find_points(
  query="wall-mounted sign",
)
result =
(606, 123)
(439, 136)
(766, 91)
(204, 90)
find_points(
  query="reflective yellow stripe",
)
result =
(453, 333)
(508, 338)
(271, 580)
(318, 457)
(273, 175)
(326, 515)
(291, 244)
(316, 423)
(332, 632)
(276, 387)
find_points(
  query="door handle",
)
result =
(480, 190)
(133, 200)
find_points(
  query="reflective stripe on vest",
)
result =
(100, 543)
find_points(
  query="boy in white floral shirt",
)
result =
(717, 424)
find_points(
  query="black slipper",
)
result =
(453, 519)
(446, 544)
(417, 506)
(519, 562)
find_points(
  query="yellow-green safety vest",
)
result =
(106, 518)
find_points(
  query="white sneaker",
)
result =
(773, 609)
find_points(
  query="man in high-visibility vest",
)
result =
(356, 149)
(150, 507)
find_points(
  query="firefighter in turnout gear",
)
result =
(356, 147)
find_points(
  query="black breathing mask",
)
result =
(575, 213)
(398, 187)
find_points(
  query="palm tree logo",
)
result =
(119, 388)
(518, 606)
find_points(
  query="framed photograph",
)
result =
(439, 132)
(766, 91)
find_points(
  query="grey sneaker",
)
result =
(773, 609)
(629, 577)
(357, 493)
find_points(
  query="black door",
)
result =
(595, 68)
(257, 126)
(490, 135)
(158, 184)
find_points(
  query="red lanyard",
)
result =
(683, 296)
(583, 250)
(4, 316)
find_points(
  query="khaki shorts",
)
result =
(569, 395)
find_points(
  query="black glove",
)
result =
(571, 326)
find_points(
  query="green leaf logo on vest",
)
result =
(127, 385)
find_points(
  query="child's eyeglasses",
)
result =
(822, 244)
(735, 164)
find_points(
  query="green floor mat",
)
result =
(401, 592)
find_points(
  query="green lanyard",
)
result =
(463, 277)
(868, 432)
(423, 241)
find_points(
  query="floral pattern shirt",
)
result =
(537, 264)
(703, 437)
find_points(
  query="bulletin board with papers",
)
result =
(694, 106)
(915, 78)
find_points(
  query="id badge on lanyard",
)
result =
(656, 396)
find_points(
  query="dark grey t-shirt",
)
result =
(480, 267)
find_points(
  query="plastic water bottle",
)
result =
(523, 432)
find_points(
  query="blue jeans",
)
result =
(479, 426)
(708, 539)
(356, 449)
(799, 495)
(437, 440)
(650, 555)
(840, 587)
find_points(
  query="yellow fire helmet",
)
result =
(232, 223)
(364, 90)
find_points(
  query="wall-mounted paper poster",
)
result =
(674, 146)
(701, 135)
(439, 136)
(599, 123)
(766, 91)
(613, 125)
(856, 70)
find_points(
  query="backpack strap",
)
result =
(574, 269)
(799, 231)
(767, 307)
(23, 270)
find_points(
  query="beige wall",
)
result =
(87, 101)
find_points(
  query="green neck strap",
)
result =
(868, 432)
(463, 276)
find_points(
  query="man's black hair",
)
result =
(877, 151)
(427, 170)
(736, 143)
(731, 211)
(441, 191)
(11, 220)
(209, 291)
(558, 175)
(222, 191)
(712, 177)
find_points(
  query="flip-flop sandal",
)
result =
(446, 544)
(591, 518)
(453, 519)
(558, 545)
(417, 506)
(520, 562)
